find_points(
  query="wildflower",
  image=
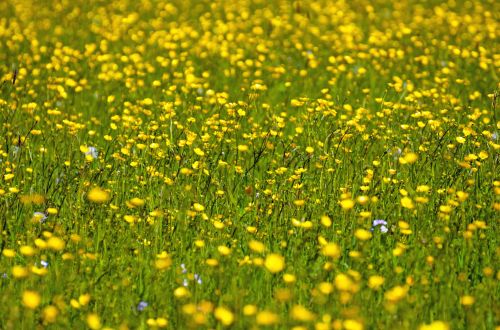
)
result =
(300, 313)
(375, 281)
(467, 300)
(396, 294)
(31, 299)
(347, 204)
(142, 305)
(344, 282)
(55, 243)
(91, 152)
(275, 263)
(436, 325)
(326, 221)
(353, 325)
(163, 261)
(93, 321)
(224, 315)
(183, 268)
(50, 314)
(289, 278)
(256, 246)
(249, 310)
(267, 318)
(382, 223)
(98, 195)
(39, 216)
(198, 207)
(407, 203)
(181, 292)
(9, 253)
(362, 234)
(19, 271)
(409, 158)
(331, 250)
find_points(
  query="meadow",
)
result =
(249, 164)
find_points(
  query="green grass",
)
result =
(273, 116)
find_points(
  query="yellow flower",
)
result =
(135, 202)
(199, 152)
(249, 310)
(163, 261)
(55, 243)
(407, 203)
(275, 263)
(50, 314)
(19, 271)
(467, 300)
(27, 250)
(84, 299)
(242, 148)
(409, 158)
(181, 292)
(9, 253)
(300, 313)
(224, 315)
(326, 221)
(299, 202)
(362, 234)
(256, 246)
(198, 207)
(98, 195)
(224, 250)
(396, 294)
(347, 204)
(31, 299)
(344, 282)
(331, 250)
(375, 281)
(93, 321)
(436, 325)
(267, 318)
(289, 278)
(353, 325)
(161, 322)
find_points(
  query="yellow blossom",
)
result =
(275, 263)
(98, 195)
(93, 321)
(31, 299)
(224, 315)
(362, 234)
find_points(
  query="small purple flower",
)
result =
(197, 278)
(379, 222)
(185, 282)
(382, 224)
(44, 263)
(184, 270)
(142, 305)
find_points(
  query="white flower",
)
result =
(92, 152)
